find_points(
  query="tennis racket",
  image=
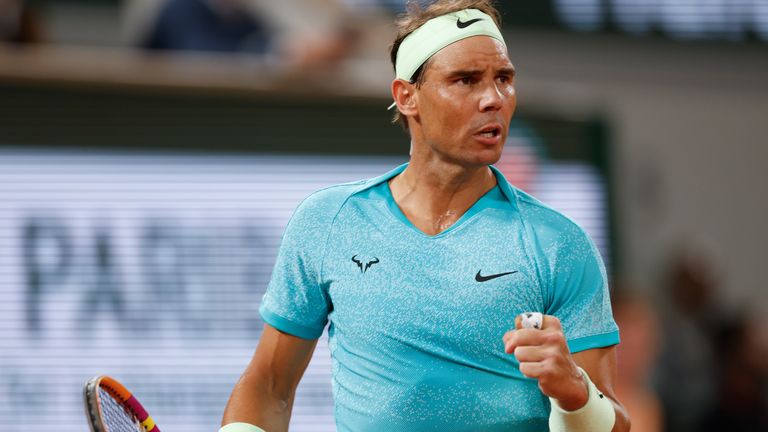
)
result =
(110, 407)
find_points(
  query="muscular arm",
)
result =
(600, 365)
(264, 394)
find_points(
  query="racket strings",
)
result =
(116, 417)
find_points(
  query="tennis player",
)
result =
(456, 302)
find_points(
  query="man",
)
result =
(423, 271)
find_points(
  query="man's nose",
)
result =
(491, 98)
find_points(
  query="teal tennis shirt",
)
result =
(416, 321)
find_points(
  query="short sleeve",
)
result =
(296, 301)
(572, 278)
(575, 284)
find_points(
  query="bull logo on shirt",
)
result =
(364, 263)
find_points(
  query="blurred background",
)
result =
(152, 151)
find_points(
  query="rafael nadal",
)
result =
(455, 301)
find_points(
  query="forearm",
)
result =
(264, 395)
(254, 401)
(622, 418)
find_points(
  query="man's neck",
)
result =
(433, 195)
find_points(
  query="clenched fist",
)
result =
(544, 355)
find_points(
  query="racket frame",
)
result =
(91, 399)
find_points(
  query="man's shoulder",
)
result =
(324, 204)
(545, 221)
(535, 214)
(330, 197)
(335, 194)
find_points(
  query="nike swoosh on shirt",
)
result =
(462, 25)
(481, 278)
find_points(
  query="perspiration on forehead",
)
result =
(438, 33)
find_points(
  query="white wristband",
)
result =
(240, 427)
(597, 415)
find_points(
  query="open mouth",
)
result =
(490, 132)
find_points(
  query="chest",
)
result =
(460, 289)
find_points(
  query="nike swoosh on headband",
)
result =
(462, 25)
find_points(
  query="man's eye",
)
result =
(466, 80)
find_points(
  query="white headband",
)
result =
(438, 33)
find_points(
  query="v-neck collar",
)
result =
(502, 195)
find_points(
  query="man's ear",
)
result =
(404, 94)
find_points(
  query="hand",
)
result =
(544, 355)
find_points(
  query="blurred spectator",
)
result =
(741, 405)
(299, 33)
(19, 22)
(686, 373)
(207, 25)
(314, 34)
(636, 355)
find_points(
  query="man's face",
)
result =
(466, 102)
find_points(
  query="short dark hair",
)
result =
(416, 16)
